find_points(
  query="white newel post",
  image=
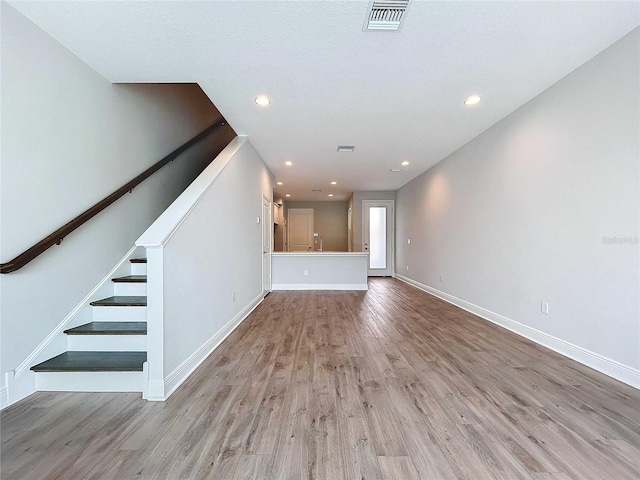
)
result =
(155, 323)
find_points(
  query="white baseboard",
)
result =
(3, 398)
(186, 368)
(18, 388)
(608, 366)
(319, 286)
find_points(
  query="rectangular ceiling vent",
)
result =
(385, 14)
(346, 148)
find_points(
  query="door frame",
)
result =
(267, 227)
(313, 215)
(391, 220)
(350, 229)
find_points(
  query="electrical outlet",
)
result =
(233, 297)
(544, 307)
(306, 272)
(407, 267)
(408, 241)
(441, 278)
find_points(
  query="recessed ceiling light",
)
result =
(334, 183)
(473, 100)
(288, 163)
(395, 169)
(405, 163)
(279, 183)
(346, 148)
(287, 195)
(262, 100)
(330, 195)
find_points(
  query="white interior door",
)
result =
(377, 236)
(267, 228)
(300, 227)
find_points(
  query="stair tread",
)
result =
(138, 260)
(121, 301)
(109, 328)
(130, 279)
(93, 362)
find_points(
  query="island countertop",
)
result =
(321, 253)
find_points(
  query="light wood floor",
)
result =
(386, 384)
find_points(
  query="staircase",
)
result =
(108, 354)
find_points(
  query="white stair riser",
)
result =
(119, 314)
(89, 381)
(138, 269)
(130, 289)
(107, 343)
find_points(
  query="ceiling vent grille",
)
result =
(386, 14)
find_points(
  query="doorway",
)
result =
(300, 230)
(377, 236)
(267, 228)
(349, 230)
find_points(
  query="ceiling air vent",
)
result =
(346, 148)
(385, 14)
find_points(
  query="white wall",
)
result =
(70, 138)
(216, 251)
(518, 215)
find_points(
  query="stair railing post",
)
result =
(155, 323)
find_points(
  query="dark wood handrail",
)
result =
(56, 237)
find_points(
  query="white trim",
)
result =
(155, 324)
(30, 360)
(608, 366)
(155, 390)
(4, 401)
(145, 380)
(20, 388)
(266, 223)
(106, 343)
(161, 231)
(320, 286)
(89, 381)
(123, 313)
(186, 368)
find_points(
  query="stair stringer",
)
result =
(21, 382)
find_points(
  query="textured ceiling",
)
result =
(394, 95)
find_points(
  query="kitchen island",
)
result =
(319, 270)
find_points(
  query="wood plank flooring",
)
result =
(386, 384)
